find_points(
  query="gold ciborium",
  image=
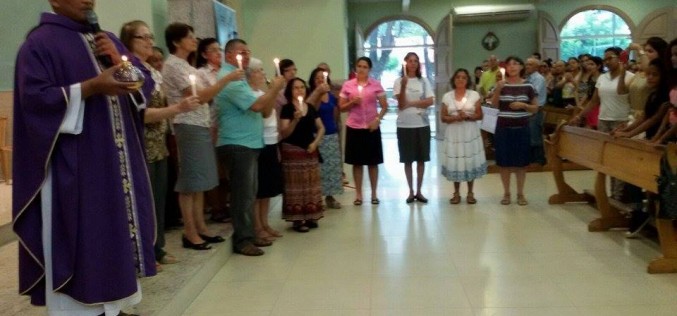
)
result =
(129, 73)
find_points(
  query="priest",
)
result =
(82, 203)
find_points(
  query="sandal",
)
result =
(455, 199)
(421, 198)
(375, 201)
(332, 203)
(264, 235)
(521, 200)
(312, 224)
(272, 232)
(249, 250)
(260, 242)
(471, 198)
(410, 200)
(357, 202)
(300, 227)
(506, 199)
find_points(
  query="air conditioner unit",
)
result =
(492, 13)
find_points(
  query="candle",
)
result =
(302, 106)
(277, 66)
(239, 61)
(192, 78)
(326, 75)
(404, 69)
(359, 90)
(124, 58)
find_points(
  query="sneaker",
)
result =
(638, 219)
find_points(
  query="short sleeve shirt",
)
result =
(613, 106)
(238, 124)
(175, 80)
(362, 114)
(417, 89)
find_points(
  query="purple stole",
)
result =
(103, 223)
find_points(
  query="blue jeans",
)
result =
(536, 137)
(242, 165)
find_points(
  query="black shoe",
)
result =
(212, 240)
(638, 219)
(187, 244)
(312, 224)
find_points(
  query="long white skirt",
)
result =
(464, 158)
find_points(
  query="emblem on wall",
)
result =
(490, 41)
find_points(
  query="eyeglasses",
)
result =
(147, 37)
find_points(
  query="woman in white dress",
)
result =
(464, 151)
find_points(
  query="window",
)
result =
(592, 32)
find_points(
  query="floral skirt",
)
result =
(302, 199)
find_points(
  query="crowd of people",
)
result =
(76, 122)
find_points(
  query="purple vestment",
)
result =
(103, 220)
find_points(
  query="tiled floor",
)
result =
(437, 259)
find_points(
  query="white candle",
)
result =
(404, 69)
(239, 61)
(326, 75)
(302, 106)
(193, 87)
(277, 66)
(359, 90)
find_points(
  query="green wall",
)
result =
(13, 30)
(306, 31)
(517, 38)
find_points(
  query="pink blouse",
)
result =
(361, 115)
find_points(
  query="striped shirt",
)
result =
(521, 92)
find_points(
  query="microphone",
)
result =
(93, 21)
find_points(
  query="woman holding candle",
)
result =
(516, 100)
(464, 158)
(414, 95)
(209, 59)
(331, 169)
(360, 97)
(197, 160)
(136, 36)
(301, 131)
(270, 181)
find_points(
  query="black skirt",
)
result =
(271, 182)
(363, 147)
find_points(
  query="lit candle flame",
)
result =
(124, 58)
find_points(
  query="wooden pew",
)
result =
(553, 116)
(629, 160)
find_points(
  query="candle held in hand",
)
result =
(326, 76)
(193, 86)
(277, 66)
(239, 61)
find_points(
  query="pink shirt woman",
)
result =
(360, 97)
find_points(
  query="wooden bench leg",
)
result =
(5, 156)
(611, 217)
(667, 238)
(565, 193)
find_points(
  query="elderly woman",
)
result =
(139, 40)
(197, 158)
(360, 97)
(516, 100)
(414, 95)
(270, 178)
(301, 131)
(464, 151)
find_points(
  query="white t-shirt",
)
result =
(417, 89)
(613, 106)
